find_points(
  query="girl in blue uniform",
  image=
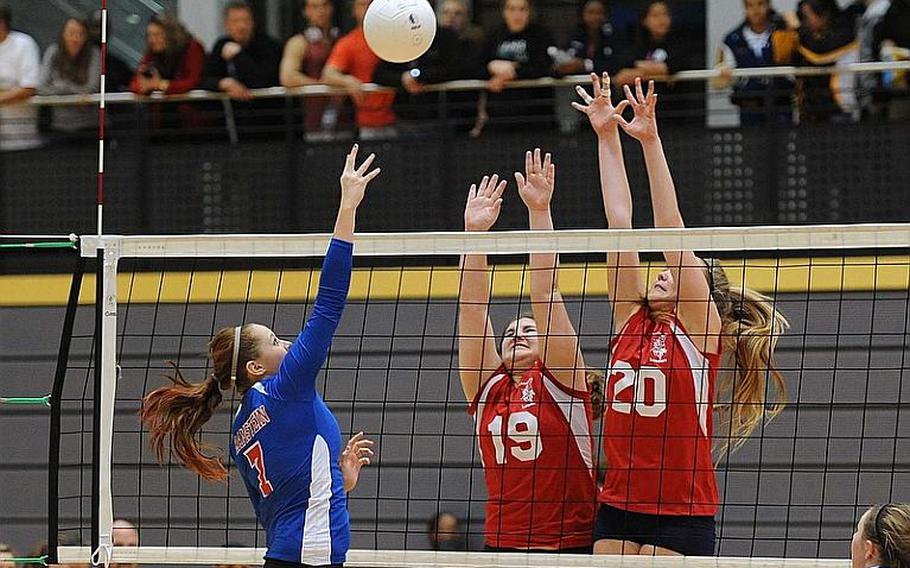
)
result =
(285, 441)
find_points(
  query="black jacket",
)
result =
(528, 48)
(603, 52)
(256, 66)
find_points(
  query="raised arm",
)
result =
(296, 377)
(477, 355)
(559, 346)
(623, 272)
(694, 306)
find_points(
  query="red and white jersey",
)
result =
(537, 451)
(658, 421)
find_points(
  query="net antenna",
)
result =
(101, 118)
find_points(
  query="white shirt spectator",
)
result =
(20, 67)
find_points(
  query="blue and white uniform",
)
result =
(287, 444)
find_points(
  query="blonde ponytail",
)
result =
(751, 390)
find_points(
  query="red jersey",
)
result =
(353, 56)
(658, 421)
(537, 452)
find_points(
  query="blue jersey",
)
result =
(287, 444)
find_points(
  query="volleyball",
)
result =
(399, 30)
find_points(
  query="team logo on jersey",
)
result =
(527, 394)
(659, 348)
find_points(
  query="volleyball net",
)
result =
(794, 489)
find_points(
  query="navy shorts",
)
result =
(691, 536)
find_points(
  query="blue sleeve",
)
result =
(296, 378)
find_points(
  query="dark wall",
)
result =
(814, 174)
(794, 489)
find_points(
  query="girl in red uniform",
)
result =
(529, 401)
(660, 493)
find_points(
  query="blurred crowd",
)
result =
(520, 46)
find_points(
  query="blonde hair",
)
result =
(753, 390)
(888, 526)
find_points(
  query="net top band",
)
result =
(796, 237)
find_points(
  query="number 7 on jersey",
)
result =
(256, 459)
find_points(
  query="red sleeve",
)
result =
(340, 56)
(472, 407)
(189, 76)
(134, 84)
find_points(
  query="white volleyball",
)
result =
(399, 30)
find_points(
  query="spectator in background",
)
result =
(659, 51)
(892, 36)
(72, 66)
(124, 534)
(883, 33)
(173, 60)
(304, 58)
(350, 65)
(592, 47)
(242, 59)
(445, 533)
(456, 15)
(118, 74)
(448, 58)
(20, 77)
(517, 49)
(822, 35)
(172, 65)
(760, 99)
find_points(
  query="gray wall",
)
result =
(794, 489)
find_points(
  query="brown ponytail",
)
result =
(182, 409)
(751, 327)
(888, 526)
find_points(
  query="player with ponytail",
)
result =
(285, 441)
(660, 492)
(882, 537)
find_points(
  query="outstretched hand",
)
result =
(354, 180)
(600, 110)
(536, 185)
(357, 453)
(643, 126)
(484, 204)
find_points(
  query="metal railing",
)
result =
(472, 85)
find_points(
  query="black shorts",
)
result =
(272, 563)
(578, 550)
(691, 536)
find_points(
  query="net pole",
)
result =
(101, 113)
(53, 459)
(104, 396)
